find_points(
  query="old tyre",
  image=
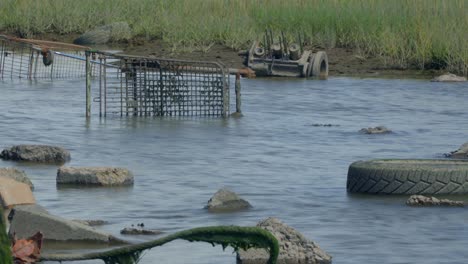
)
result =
(310, 65)
(408, 177)
(294, 51)
(320, 65)
(259, 52)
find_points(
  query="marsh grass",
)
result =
(408, 33)
(5, 251)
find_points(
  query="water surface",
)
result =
(273, 157)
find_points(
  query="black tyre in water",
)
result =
(408, 177)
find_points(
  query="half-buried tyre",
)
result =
(319, 66)
(408, 177)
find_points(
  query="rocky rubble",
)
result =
(294, 247)
(375, 130)
(420, 200)
(36, 153)
(139, 231)
(460, 153)
(226, 200)
(449, 77)
(96, 176)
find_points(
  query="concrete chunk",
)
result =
(16, 175)
(294, 247)
(97, 176)
(14, 193)
(27, 221)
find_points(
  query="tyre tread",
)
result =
(391, 177)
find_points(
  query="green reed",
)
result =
(408, 33)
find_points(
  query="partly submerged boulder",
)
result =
(16, 175)
(91, 222)
(294, 247)
(97, 176)
(224, 200)
(460, 153)
(36, 153)
(421, 200)
(449, 77)
(113, 32)
(139, 231)
(375, 130)
(26, 221)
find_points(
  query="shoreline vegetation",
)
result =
(404, 34)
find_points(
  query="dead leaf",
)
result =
(27, 251)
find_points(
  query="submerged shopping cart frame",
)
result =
(39, 59)
(128, 85)
(147, 86)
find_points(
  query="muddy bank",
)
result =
(342, 61)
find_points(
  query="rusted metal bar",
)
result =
(36, 61)
(105, 87)
(31, 61)
(226, 100)
(47, 44)
(244, 72)
(88, 85)
(101, 69)
(2, 58)
(135, 91)
(238, 94)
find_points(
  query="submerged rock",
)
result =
(225, 200)
(324, 125)
(26, 221)
(97, 176)
(449, 77)
(375, 130)
(236, 115)
(91, 222)
(113, 32)
(16, 175)
(421, 200)
(36, 153)
(139, 231)
(460, 153)
(294, 247)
